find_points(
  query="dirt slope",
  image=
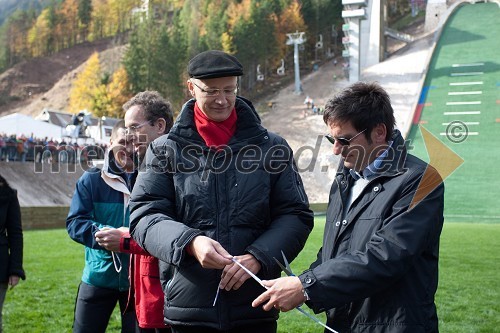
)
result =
(304, 130)
(44, 82)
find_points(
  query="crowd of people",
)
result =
(309, 103)
(189, 243)
(14, 148)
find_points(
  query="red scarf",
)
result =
(215, 134)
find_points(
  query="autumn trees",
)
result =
(62, 24)
(162, 35)
(99, 92)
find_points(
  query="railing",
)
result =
(398, 35)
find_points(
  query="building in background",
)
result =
(80, 126)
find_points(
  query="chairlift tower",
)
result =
(295, 39)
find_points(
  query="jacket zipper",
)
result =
(217, 220)
(169, 285)
(297, 187)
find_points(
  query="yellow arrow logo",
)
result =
(442, 159)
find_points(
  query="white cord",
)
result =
(118, 266)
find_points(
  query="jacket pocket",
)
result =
(380, 315)
(299, 187)
(362, 231)
(389, 327)
(192, 286)
(149, 266)
(253, 191)
(193, 197)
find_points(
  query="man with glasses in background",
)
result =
(219, 188)
(147, 117)
(377, 270)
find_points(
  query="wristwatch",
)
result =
(306, 295)
(126, 243)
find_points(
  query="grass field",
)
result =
(467, 299)
(461, 106)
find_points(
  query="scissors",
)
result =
(286, 268)
(288, 271)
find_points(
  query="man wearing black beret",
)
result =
(219, 188)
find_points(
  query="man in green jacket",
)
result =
(100, 201)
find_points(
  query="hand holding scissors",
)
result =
(285, 294)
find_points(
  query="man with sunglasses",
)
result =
(377, 270)
(219, 187)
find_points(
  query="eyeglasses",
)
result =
(216, 92)
(133, 129)
(342, 141)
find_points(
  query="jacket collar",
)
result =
(248, 126)
(391, 164)
(114, 176)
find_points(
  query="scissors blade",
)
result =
(286, 271)
(283, 268)
(287, 265)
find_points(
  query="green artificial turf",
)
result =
(471, 36)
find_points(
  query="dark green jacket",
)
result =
(101, 200)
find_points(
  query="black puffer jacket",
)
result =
(377, 271)
(11, 235)
(248, 197)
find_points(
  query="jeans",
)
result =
(11, 153)
(94, 307)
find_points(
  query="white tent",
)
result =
(20, 124)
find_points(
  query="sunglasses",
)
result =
(342, 141)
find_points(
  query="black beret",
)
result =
(213, 64)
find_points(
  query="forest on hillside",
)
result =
(7, 7)
(162, 35)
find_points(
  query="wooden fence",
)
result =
(35, 218)
(44, 217)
